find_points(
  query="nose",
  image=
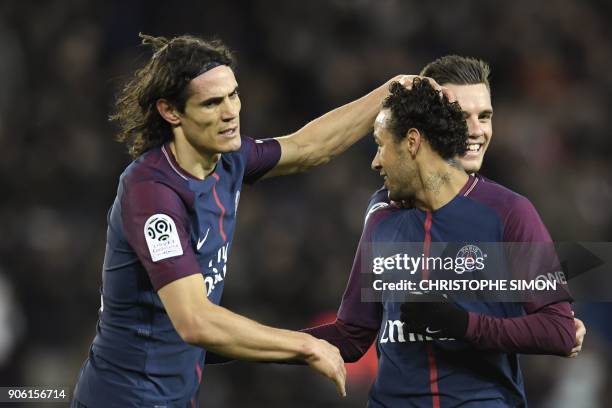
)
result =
(474, 129)
(376, 166)
(230, 109)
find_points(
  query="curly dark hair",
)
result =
(423, 108)
(166, 75)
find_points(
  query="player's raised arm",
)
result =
(202, 323)
(326, 137)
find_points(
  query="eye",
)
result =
(485, 117)
(211, 103)
(235, 94)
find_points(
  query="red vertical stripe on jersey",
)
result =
(216, 176)
(199, 373)
(431, 359)
(427, 244)
(433, 376)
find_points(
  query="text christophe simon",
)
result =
(405, 263)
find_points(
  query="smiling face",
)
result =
(475, 102)
(211, 118)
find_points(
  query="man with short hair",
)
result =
(171, 226)
(468, 81)
(445, 353)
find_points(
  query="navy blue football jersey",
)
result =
(163, 225)
(420, 371)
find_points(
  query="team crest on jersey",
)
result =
(162, 237)
(471, 253)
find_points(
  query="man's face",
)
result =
(211, 119)
(392, 160)
(475, 101)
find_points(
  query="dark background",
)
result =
(62, 61)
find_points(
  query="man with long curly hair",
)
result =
(171, 226)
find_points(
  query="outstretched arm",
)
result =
(202, 323)
(331, 134)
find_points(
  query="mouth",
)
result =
(474, 149)
(229, 133)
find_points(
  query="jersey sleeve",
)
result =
(531, 252)
(353, 311)
(550, 330)
(156, 225)
(548, 327)
(261, 157)
(523, 224)
(357, 322)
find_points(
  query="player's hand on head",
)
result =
(327, 361)
(408, 80)
(580, 333)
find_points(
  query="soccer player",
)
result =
(468, 81)
(448, 353)
(171, 226)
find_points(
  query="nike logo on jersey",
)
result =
(429, 331)
(201, 241)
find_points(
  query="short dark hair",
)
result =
(166, 75)
(422, 107)
(458, 70)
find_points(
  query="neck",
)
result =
(196, 163)
(438, 183)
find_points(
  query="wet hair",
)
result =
(440, 122)
(174, 63)
(458, 70)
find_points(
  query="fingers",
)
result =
(326, 359)
(340, 380)
(579, 325)
(580, 333)
(339, 373)
(408, 80)
(450, 95)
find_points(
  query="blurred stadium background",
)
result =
(61, 62)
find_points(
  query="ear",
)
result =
(168, 112)
(412, 141)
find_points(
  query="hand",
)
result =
(433, 315)
(580, 333)
(408, 80)
(327, 361)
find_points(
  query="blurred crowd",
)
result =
(62, 62)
